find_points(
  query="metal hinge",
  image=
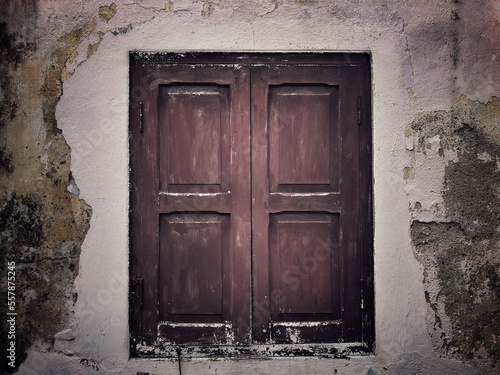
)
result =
(141, 128)
(359, 110)
(362, 295)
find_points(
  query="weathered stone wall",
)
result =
(455, 169)
(458, 243)
(42, 220)
(436, 141)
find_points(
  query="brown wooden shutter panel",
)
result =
(250, 176)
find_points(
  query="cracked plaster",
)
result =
(75, 54)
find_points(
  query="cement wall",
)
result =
(436, 138)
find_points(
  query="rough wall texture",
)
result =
(42, 220)
(456, 234)
(459, 251)
(436, 80)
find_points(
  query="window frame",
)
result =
(138, 85)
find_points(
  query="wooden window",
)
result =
(251, 218)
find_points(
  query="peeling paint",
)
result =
(208, 8)
(106, 12)
(169, 7)
(42, 220)
(91, 48)
(459, 252)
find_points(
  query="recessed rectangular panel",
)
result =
(309, 290)
(192, 248)
(302, 128)
(304, 248)
(193, 121)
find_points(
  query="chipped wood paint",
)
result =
(342, 351)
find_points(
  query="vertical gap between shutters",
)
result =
(251, 207)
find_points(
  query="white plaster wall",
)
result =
(411, 73)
